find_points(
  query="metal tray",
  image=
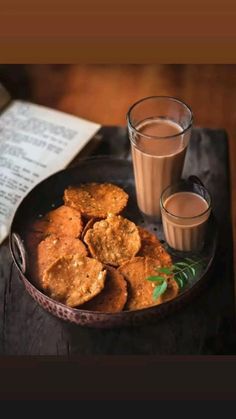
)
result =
(48, 194)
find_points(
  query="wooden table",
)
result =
(206, 326)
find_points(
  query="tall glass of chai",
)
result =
(185, 208)
(159, 131)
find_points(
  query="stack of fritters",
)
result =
(86, 255)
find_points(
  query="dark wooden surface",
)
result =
(206, 326)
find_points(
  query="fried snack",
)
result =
(113, 240)
(140, 290)
(63, 221)
(88, 225)
(96, 200)
(51, 249)
(113, 296)
(73, 280)
(151, 247)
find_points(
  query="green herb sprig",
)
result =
(182, 272)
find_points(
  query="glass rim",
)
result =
(179, 217)
(172, 98)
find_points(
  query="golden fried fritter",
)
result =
(96, 200)
(113, 296)
(140, 290)
(74, 280)
(63, 221)
(59, 261)
(51, 249)
(151, 247)
(113, 240)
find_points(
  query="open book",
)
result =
(35, 142)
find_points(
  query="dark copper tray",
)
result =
(48, 194)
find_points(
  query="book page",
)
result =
(35, 142)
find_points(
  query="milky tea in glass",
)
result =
(185, 207)
(159, 131)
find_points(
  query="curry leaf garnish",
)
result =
(182, 272)
(159, 290)
(165, 270)
(156, 278)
